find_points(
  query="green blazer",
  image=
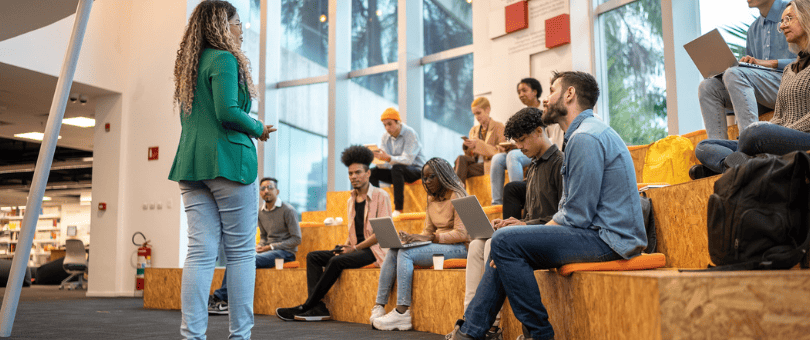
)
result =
(215, 139)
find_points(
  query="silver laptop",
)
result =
(474, 217)
(712, 56)
(387, 234)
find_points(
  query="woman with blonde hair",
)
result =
(216, 165)
(481, 144)
(789, 129)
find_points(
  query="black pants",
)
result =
(514, 198)
(398, 175)
(324, 268)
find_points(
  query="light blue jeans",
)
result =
(513, 161)
(740, 90)
(219, 210)
(399, 263)
(761, 137)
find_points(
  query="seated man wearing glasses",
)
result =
(280, 237)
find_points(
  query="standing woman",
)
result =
(216, 165)
(443, 227)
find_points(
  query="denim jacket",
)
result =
(599, 186)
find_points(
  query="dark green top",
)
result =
(215, 140)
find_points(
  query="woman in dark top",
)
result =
(216, 165)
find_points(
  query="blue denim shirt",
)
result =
(405, 149)
(764, 40)
(599, 186)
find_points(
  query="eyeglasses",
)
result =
(238, 23)
(266, 187)
(428, 177)
(784, 22)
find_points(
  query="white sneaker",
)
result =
(395, 213)
(394, 321)
(376, 312)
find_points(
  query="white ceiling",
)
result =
(22, 16)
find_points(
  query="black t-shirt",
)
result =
(359, 220)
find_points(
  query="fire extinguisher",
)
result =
(144, 260)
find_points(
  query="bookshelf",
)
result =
(47, 236)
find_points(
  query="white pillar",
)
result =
(340, 57)
(411, 76)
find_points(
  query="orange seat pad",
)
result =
(643, 261)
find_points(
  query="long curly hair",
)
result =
(208, 27)
(446, 176)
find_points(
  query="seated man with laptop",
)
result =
(445, 233)
(543, 192)
(742, 88)
(361, 248)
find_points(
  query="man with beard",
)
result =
(360, 249)
(599, 217)
(280, 237)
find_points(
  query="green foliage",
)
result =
(739, 31)
(636, 88)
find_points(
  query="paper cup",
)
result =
(438, 261)
(279, 263)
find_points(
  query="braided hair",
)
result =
(446, 176)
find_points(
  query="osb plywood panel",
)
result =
(736, 305)
(313, 216)
(353, 295)
(680, 221)
(481, 188)
(216, 282)
(279, 289)
(438, 299)
(415, 197)
(162, 288)
(638, 154)
(336, 204)
(319, 238)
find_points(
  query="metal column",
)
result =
(42, 170)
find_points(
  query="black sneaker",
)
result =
(700, 171)
(735, 159)
(317, 313)
(217, 306)
(288, 314)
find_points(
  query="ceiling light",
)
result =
(379, 13)
(32, 135)
(247, 25)
(86, 198)
(46, 198)
(323, 17)
(80, 122)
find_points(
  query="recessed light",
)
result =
(32, 135)
(46, 198)
(80, 122)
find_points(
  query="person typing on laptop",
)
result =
(742, 88)
(443, 227)
(361, 248)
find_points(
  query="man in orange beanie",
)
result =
(402, 153)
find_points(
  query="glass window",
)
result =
(305, 38)
(374, 33)
(305, 107)
(249, 13)
(447, 24)
(302, 168)
(733, 23)
(448, 95)
(369, 96)
(636, 84)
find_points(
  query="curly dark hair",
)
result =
(533, 84)
(357, 154)
(523, 123)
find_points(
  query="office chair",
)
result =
(75, 264)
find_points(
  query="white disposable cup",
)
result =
(279, 263)
(438, 261)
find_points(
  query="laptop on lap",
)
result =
(387, 234)
(712, 56)
(474, 217)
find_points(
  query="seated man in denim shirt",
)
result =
(599, 217)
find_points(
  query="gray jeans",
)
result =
(740, 89)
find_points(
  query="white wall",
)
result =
(129, 48)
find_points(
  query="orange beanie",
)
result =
(390, 113)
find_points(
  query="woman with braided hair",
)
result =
(216, 165)
(443, 227)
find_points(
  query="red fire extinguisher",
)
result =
(144, 260)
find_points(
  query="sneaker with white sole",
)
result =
(395, 213)
(220, 307)
(376, 312)
(317, 313)
(394, 321)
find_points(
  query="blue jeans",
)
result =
(760, 137)
(513, 161)
(518, 251)
(740, 90)
(263, 260)
(399, 263)
(219, 210)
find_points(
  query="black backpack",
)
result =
(758, 216)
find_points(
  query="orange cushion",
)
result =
(455, 263)
(643, 261)
(292, 264)
(410, 216)
(492, 209)
(371, 266)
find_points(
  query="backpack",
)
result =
(758, 216)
